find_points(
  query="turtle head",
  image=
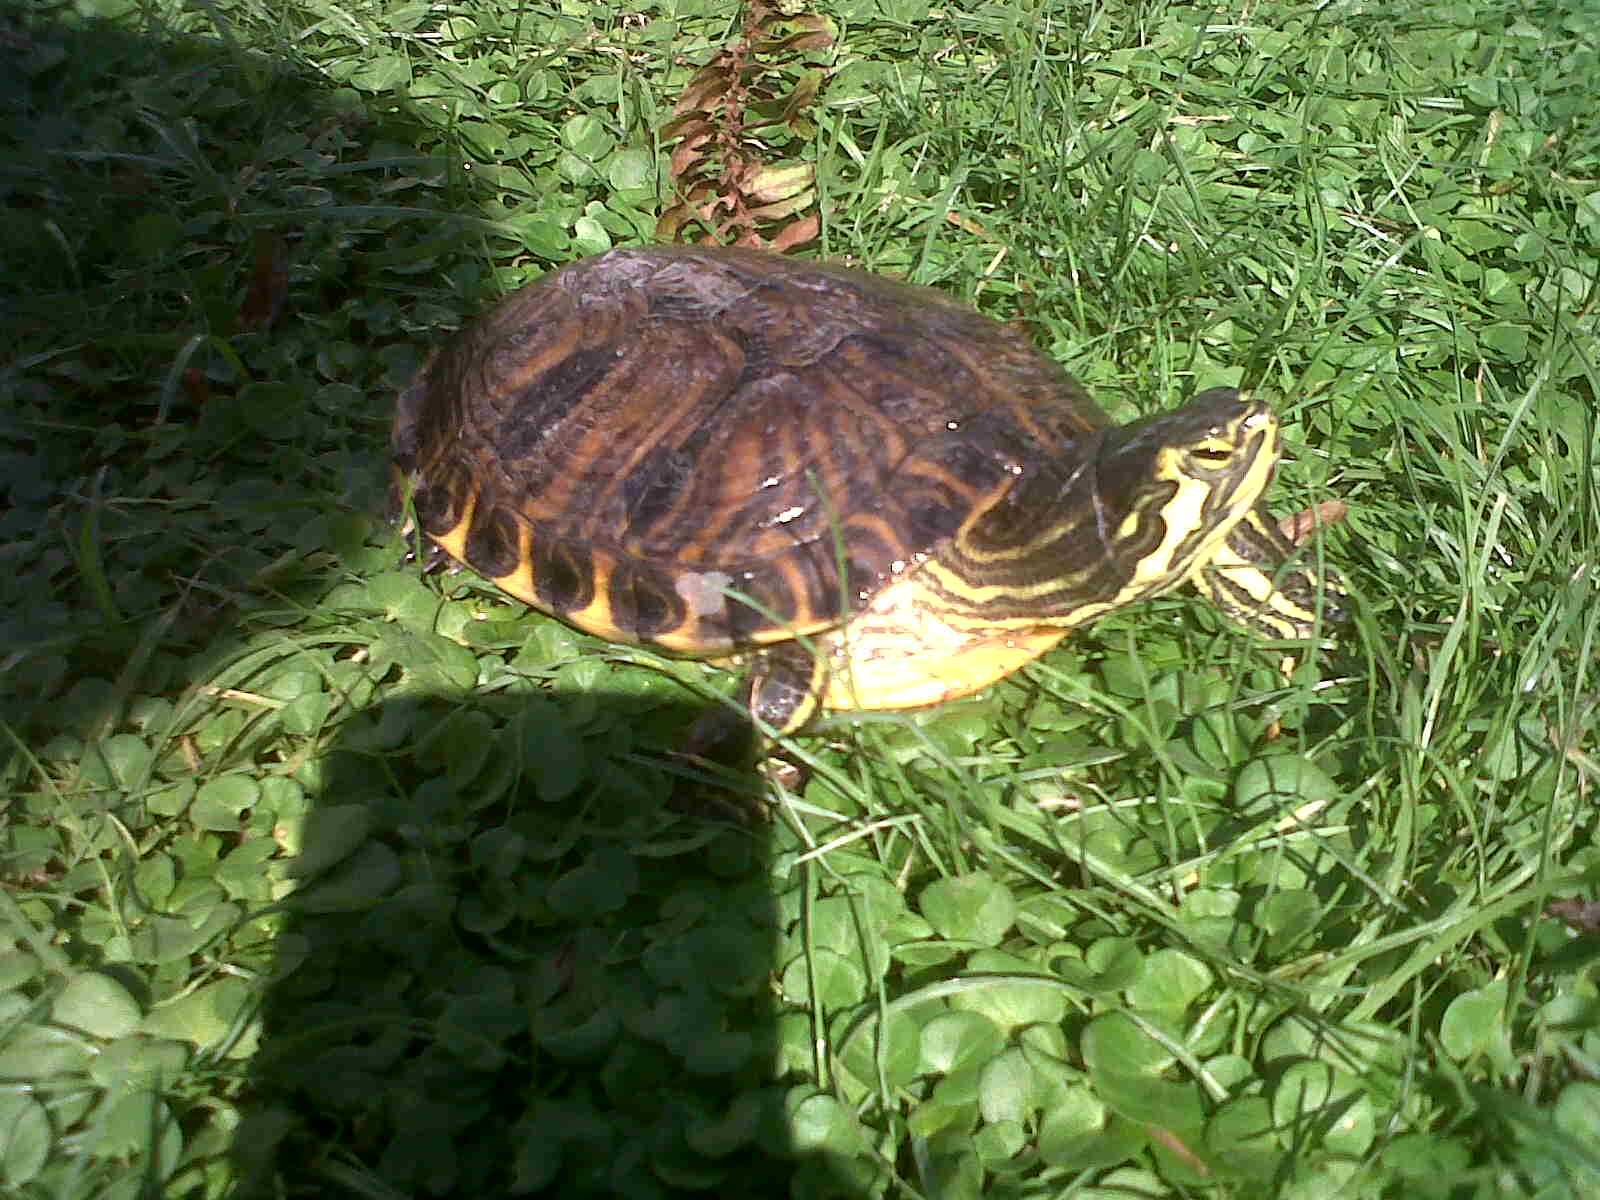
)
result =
(1174, 487)
(1124, 513)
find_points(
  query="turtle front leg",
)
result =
(1260, 579)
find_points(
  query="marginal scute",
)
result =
(492, 545)
(643, 602)
(439, 504)
(753, 603)
(563, 572)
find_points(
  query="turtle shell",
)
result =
(712, 449)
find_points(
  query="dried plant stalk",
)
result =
(729, 183)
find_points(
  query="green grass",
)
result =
(322, 877)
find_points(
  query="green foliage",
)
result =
(325, 877)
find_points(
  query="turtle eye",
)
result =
(1212, 456)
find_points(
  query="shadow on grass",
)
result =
(518, 969)
(512, 966)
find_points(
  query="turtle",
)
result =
(872, 494)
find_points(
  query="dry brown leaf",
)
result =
(1582, 915)
(269, 283)
(723, 180)
(1299, 526)
(797, 234)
